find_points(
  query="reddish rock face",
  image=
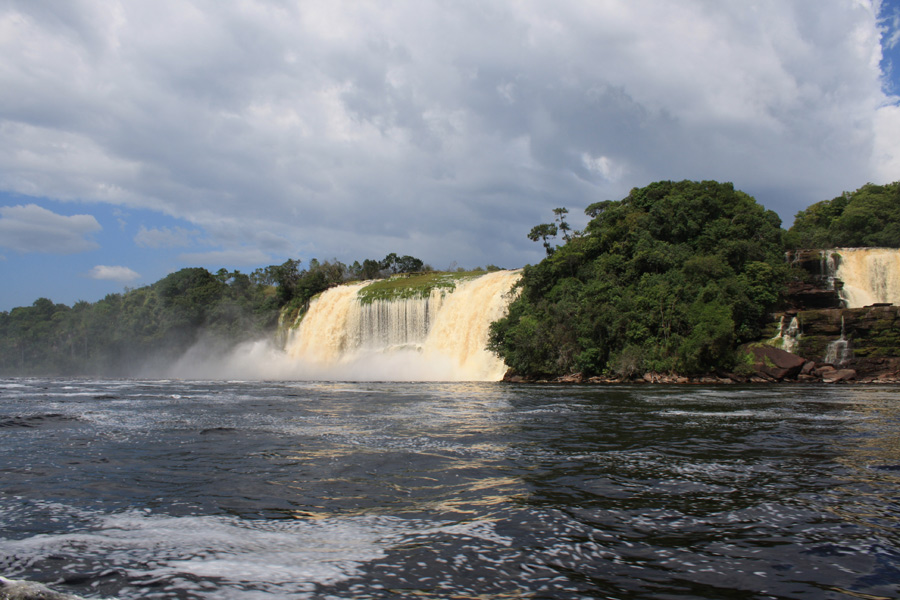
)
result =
(776, 363)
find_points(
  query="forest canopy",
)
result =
(669, 279)
(870, 216)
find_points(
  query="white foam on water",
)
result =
(11, 386)
(287, 555)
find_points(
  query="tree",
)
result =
(390, 263)
(544, 232)
(409, 264)
(286, 276)
(371, 269)
(869, 216)
(561, 222)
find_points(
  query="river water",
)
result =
(245, 490)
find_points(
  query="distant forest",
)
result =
(671, 278)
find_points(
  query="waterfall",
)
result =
(788, 337)
(441, 336)
(838, 352)
(869, 275)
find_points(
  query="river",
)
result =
(250, 490)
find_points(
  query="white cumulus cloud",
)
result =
(32, 228)
(113, 273)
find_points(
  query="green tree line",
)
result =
(868, 217)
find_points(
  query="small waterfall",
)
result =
(788, 337)
(869, 275)
(828, 267)
(838, 352)
(441, 336)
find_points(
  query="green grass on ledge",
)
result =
(415, 285)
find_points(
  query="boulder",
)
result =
(839, 375)
(776, 363)
(824, 371)
(30, 590)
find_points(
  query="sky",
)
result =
(139, 137)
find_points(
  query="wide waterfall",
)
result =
(439, 335)
(869, 275)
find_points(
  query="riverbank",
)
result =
(842, 376)
(771, 365)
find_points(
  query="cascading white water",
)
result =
(788, 337)
(838, 352)
(869, 275)
(394, 325)
(441, 337)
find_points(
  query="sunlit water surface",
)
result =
(171, 489)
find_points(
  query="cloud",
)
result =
(120, 274)
(164, 237)
(442, 130)
(230, 257)
(31, 228)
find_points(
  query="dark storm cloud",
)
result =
(351, 129)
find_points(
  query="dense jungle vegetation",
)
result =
(870, 216)
(670, 279)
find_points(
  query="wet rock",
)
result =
(29, 590)
(571, 378)
(824, 371)
(511, 377)
(837, 375)
(776, 363)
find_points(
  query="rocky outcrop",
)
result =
(865, 341)
(776, 363)
(870, 332)
(803, 295)
(817, 288)
(29, 590)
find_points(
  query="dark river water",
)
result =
(250, 490)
